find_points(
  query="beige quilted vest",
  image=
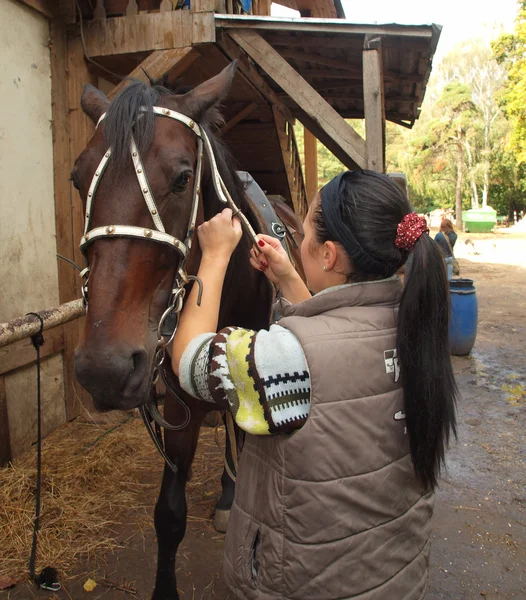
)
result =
(334, 511)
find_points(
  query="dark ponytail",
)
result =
(361, 210)
(425, 365)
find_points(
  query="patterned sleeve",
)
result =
(261, 376)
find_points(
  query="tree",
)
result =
(445, 142)
(473, 64)
(510, 51)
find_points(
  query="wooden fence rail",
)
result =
(24, 327)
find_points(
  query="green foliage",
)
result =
(510, 51)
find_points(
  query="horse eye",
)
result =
(181, 183)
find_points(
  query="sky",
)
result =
(461, 19)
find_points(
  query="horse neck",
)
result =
(247, 294)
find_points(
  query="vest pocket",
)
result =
(251, 563)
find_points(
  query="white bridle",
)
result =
(157, 233)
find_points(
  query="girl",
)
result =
(359, 371)
(446, 239)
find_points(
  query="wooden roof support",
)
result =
(319, 112)
(374, 105)
(249, 71)
(242, 114)
(158, 64)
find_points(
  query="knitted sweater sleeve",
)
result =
(262, 376)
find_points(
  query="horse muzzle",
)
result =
(116, 378)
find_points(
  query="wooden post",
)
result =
(5, 442)
(67, 275)
(310, 145)
(72, 130)
(374, 105)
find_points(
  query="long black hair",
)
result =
(370, 208)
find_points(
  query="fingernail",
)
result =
(261, 268)
(261, 243)
(264, 264)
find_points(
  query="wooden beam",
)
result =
(5, 441)
(252, 76)
(374, 107)
(326, 140)
(44, 7)
(68, 279)
(238, 118)
(80, 129)
(353, 44)
(305, 96)
(329, 26)
(318, 59)
(22, 353)
(310, 145)
(158, 64)
(346, 71)
(149, 32)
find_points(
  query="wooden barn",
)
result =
(318, 69)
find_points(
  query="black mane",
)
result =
(125, 118)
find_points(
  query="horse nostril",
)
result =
(139, 365)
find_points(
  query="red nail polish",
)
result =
(261, 243)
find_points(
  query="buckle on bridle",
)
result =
(278, 230)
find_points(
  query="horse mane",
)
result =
(125, 118)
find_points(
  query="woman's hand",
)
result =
(271, 259)
(219, 237)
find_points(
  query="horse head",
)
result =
(136, 177)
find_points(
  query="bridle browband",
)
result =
(157, 233)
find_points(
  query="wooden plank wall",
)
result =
(71, 131)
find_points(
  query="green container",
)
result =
(480, 220)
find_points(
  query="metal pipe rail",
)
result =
(24, 327)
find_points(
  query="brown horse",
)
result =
(132, 266)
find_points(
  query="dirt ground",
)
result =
(479, 533)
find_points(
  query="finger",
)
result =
(258, 258)
(268, 239)
(270, 252)
(256, 265)
(227, 213)
(236, 224)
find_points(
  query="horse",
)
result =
(151, 173)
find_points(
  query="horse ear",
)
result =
(94, 103)
(201, 102)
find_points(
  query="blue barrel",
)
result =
(464, 316)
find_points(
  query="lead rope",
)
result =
(47, 578)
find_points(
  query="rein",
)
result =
(169, 321)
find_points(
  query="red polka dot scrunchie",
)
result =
(410, 228)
